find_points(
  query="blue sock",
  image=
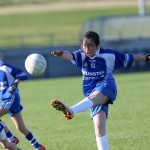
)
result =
(32, 140)
(10, 136)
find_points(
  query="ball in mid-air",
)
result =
(35, 64)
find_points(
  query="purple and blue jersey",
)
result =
(8, 74)
(97, 70)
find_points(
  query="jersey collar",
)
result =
(96, 53)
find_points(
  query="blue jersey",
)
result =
(8, 74)
(98, 69)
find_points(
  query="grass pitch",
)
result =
(127, 123)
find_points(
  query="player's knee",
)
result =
(98, 98)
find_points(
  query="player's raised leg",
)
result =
(69, 112)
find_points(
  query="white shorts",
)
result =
(2, 135)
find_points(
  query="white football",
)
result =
(35, 64)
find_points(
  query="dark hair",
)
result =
(93, 36)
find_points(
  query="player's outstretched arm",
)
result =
(138, 58)
(63, 54)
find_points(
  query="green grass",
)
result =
(50, 27)
(127, 123)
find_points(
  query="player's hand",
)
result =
(58, 53)
(148, 57)
(13, 86)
